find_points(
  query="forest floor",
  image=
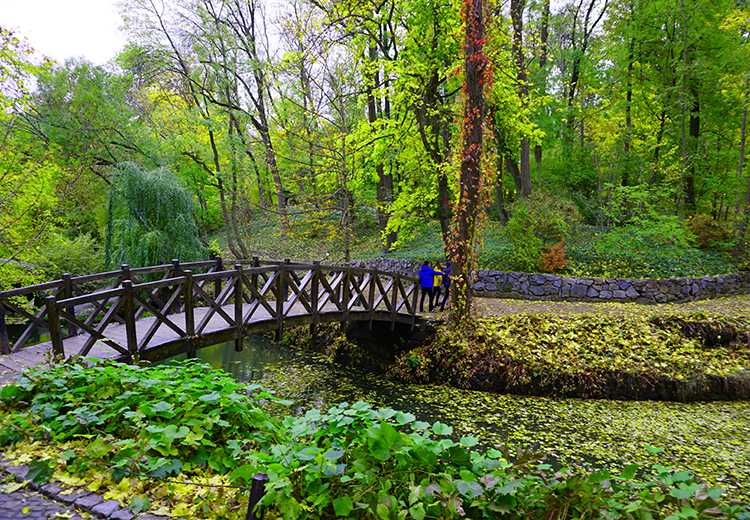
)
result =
(732, 306)
(588, 250)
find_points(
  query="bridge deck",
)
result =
(217, 330)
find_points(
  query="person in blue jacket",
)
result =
(447, 270)
(426, 285)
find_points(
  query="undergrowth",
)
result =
(614, 253)
(137, 432)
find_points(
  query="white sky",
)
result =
(64, 29)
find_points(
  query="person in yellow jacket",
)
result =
(437, 283)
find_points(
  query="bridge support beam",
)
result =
(129, 315)
(68, 293)
(53, 321)
(238, 303)
(187, 297)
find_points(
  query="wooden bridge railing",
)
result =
(130, 310)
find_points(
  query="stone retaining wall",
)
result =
(503, 284)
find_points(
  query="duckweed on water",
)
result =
(711, 439)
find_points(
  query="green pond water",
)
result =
(711, 439)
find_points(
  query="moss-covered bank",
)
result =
(676, 357)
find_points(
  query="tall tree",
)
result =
(523, 177)
(476, 76)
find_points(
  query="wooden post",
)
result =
(128, 306)
(187, 296)
(53, 322)
(280, 300)
(287, 270)
(257, 490)
(315, 292)
(254, 276)
(414, 301)
(394, 299)
(4, 341)
(371, 296)
(346, 294)
(176, 271)
(125, 275)
(68, 293)
(238, 306)
(217, 282)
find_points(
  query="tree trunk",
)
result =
(627, 140)
(543, 38)
(233, 126)
(385, 184)
(384, 194)
(516, 13)
(499, 189)
(695, 133)
(657, 148)
(467, 210)
(741, 155)
(742, 228)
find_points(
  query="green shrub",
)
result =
(77, 256)
(16, 274)
(535, 222)
(660, 247)
(350, 461)
(627, 204)
(708, 232)
(527, 245)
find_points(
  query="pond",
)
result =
(711, 439)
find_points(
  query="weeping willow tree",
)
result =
(150, 219)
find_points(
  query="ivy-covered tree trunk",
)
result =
(462, 247)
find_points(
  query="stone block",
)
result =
(579, 291)
(71, 497)
(106, 509)
(122, 514)
(89, 500)
(18, 471)
(537, 290)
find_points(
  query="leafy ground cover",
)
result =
(137, 432)
(730, 306)
(589, 251)
(633, 355)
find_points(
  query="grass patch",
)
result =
(682, 357)
(107, 427)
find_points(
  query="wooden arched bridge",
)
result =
(158, 311)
